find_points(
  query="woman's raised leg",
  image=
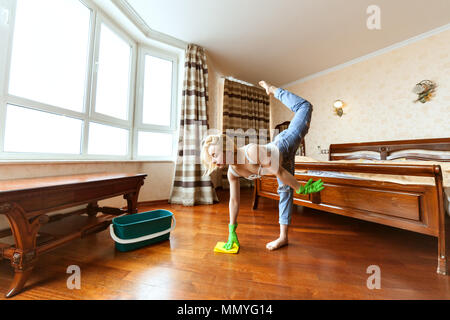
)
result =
(299, 124)
(288, 144)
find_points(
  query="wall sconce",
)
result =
(424, 89)
(338, 107)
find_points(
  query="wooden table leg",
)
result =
(255, 195)
(132, 199)
(24, 255)
(131, 202)
(20, 278)
(92, 209)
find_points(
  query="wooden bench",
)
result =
(27, 202)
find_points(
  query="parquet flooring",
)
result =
(327, 258)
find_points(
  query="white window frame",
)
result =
(139, 124)
(88, 114)
(8, 6)
(39, 106)
(134, 124)
(103, 118)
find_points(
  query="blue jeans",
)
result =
(288, 142)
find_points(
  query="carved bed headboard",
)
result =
(423, 149)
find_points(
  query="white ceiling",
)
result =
(285, 40)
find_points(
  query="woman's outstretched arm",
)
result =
(235, 197)
(234, 210)
(271, 163)
(287, 178)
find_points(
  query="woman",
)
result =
(276, 158)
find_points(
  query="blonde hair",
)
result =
(212, 140)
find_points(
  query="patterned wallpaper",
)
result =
(379, 98)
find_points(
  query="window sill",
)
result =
(37, 162)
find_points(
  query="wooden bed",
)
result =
(414, 207)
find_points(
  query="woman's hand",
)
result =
(232, 237)
(235, 199)
(311, 187)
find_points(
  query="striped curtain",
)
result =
(245, 107)
(189, 186)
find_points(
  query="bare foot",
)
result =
(276, 244)
(269, 88)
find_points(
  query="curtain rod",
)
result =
(240, 81)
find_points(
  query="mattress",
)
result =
(445, 166)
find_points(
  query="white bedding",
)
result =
(331, 174)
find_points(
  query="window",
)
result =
(113, 75)
(77, 87)
(29, 130)
(50, 52)
(107, 140)
(152, 144)
(157, 91)
(156, 112)
(114, 57)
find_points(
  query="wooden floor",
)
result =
(327, 258)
